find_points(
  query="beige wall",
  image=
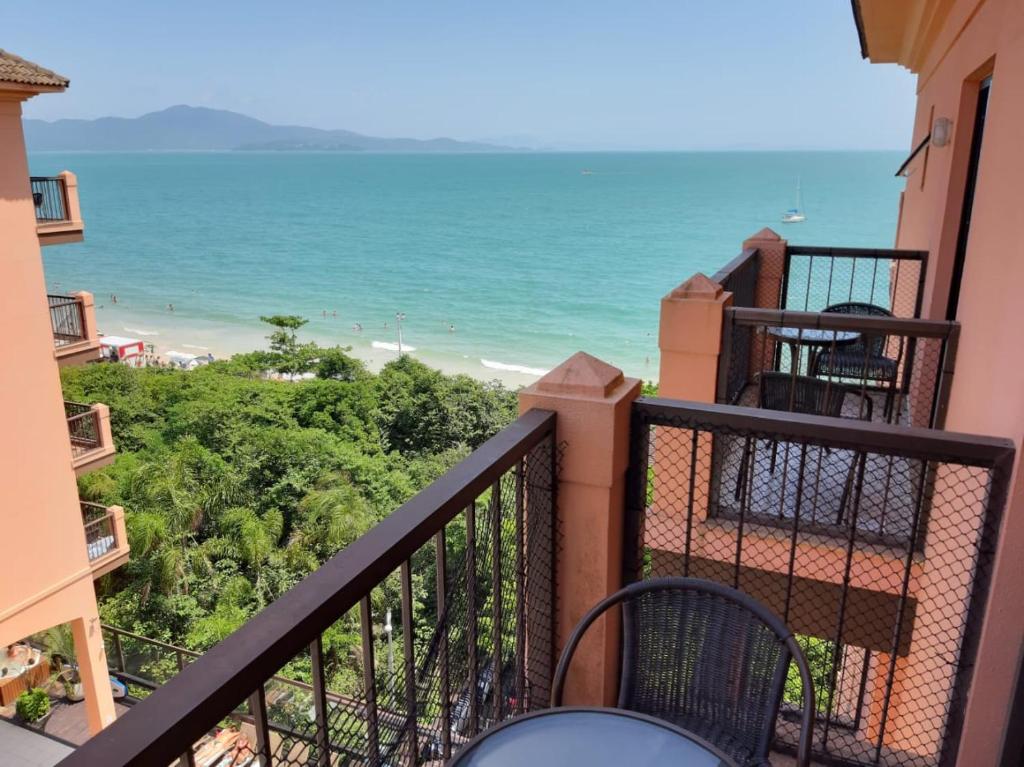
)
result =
(47, 578)
(980, 38)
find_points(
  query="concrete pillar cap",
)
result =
(766, 234)
(698, 286)
(581, 374)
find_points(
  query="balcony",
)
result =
(92, 444)
(873, 541)
(58, 213)
(847, 317)
(106, 538)
(73, 319)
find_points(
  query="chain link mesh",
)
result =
(877, 559)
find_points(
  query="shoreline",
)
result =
(224, 340)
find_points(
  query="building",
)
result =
(55, 544)
(883, 519)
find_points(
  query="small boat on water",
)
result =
(795, 215)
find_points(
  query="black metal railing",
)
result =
(468, 564)
(67, 317)
(739, 277)
(50, 197)
(874, 543)
(890, 369)
(816, 277)
(100, 530)
(83, 427)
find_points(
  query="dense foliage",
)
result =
(237, 485)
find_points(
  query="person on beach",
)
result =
(113, 298)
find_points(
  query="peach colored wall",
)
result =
(988, 387)
(47, 578)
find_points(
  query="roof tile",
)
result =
(14, 69)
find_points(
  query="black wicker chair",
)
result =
(707, 658)
(801, 394)
(865, 359)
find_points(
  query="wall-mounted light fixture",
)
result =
(942, 131)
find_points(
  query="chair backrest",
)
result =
(875, 345)
(707, 658)
(800, 394)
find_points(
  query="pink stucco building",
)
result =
(55, 544)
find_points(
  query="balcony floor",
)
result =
(884, 507)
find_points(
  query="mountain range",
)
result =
(199, 128)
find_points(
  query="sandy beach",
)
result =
(180, 333)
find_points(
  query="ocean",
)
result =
(503, 264)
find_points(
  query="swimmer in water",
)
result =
(451, 328)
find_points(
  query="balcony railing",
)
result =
(468, 565)
(816, 277)
(739, 277)
(101, 536)
(83, 428)
(892, 369)
(67, 316)
(874, 543)
(50, 197)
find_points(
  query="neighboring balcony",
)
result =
(106, 538)
(92, 444)
(75, 338)
(58, 213)
(843, 324)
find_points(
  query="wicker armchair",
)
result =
(800, 394)
(865, 359)
(707, 658)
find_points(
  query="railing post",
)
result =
(771, 276)
(592, 400)
(690, 339)
(72, 206)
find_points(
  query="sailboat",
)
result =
(794, 215)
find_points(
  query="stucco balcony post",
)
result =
(592, 400)
(771, 267)
(690, 339)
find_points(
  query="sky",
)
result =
(565, 74)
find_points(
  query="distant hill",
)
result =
(199, 128)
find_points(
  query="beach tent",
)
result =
(128, 351)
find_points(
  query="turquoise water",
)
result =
(529, 259)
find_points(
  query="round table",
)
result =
(596, 737)
(794, 337)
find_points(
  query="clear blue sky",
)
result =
(631, 74)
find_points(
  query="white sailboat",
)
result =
(795, 215)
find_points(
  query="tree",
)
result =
(291, 357)
(336, 365)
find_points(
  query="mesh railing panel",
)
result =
(892, 370)
(874, 550)
(816, 277)
(49, 195)
(83, 427)
(458, 636)
(66, 320)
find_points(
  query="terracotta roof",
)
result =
(14, 69)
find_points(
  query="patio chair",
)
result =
(707, 658)
(800, 394)
(865, 359)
